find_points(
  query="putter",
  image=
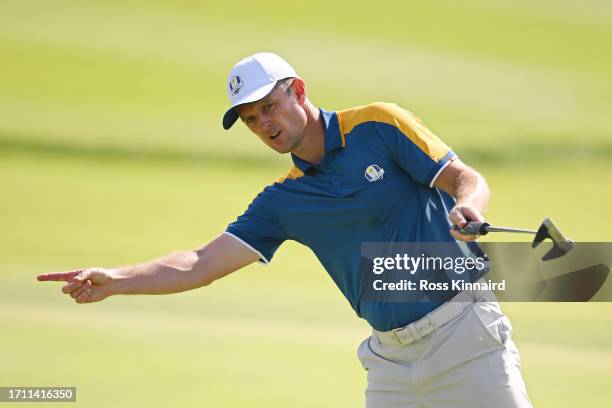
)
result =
(561, 245)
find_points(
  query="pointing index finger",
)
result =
(59, 276)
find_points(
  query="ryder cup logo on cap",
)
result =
(235, 84)
(374, 173)
(252, 79)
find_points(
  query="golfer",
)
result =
(372, 173)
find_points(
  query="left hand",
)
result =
(460, 215)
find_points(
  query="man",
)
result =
(367, 174)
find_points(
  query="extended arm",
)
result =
(470, 191)
(176, 272)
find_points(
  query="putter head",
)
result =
(561, 245)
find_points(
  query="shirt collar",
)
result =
(333, 139)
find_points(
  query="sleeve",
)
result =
(415, 148)
(259, 228)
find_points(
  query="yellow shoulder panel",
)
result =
(391, 114)
(293, 174)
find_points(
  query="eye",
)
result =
(267, 107)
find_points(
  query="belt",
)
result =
(428, 323)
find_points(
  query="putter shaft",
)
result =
(561, 246)
(506, 229)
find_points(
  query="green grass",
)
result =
(152, 74)
(111, 152)
(264, 334)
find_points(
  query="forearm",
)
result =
(184, 270)
(470, 189)
(176, 272)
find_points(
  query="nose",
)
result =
(265, 123)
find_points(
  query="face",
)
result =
(279, 119)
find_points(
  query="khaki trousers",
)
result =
(470, 362)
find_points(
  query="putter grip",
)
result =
(473, 228)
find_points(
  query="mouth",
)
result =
(275, 135)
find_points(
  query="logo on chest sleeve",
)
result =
(374, 173)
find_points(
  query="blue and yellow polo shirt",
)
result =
(374, 184)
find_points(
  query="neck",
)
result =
(312, 147)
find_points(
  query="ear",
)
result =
(299, 87)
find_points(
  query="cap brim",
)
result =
(231, 116)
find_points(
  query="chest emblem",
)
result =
(374, 173)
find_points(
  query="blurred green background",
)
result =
(111, 152)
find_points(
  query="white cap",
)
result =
(253, 78)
